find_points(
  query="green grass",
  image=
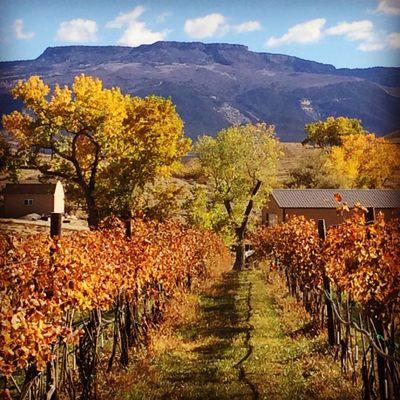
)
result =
(235, 343)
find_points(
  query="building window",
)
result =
(28, 202)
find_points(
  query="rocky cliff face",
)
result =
(215, 85)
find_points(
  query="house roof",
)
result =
(324, 198)
(29, 188)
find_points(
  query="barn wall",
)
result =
(14, 206)
(329, 214)
(389, 213)
(271, 208)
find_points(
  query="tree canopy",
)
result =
(240, 164)
(363, 161)
(332, 131)
(106, 143)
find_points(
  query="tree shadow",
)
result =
(211, 374)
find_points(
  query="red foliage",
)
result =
(87, 271)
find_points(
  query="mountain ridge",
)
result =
(215, 85)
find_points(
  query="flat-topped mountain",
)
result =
(216, 85)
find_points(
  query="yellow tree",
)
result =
(331, 131)
(103, 141)
(363, 161)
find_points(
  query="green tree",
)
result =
(201, 209)
(104, 142)
(8, 162)
(311, 172)
(331, 131)
(240, 164)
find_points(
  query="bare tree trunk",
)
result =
(240, 259)
(93, 212)
(242, 229)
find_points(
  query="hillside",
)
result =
(215, 85)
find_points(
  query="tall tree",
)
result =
(363, 161)
(107, 143)
(240, 164)
(331, 131)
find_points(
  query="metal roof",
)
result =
(29, 188)
(324, 198)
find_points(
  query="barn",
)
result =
(321, 203)
(27, 198)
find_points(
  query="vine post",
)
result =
(51, 375)
(380, 331)
(55, 224)
(327, 289)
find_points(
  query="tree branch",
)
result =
(250, 204)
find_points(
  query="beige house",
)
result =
(321, 204)
(27, 198)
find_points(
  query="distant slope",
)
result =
(215, 85)
(393, 137)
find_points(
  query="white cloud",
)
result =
(136, 32)
(163, 16)
(394, 40)
(306, 32)
(371, 46)
(248, 26)
(388, 7)
(357, 30)
(18, 28)
(205, 27)
(360, 31)
(77, 31)
(126, 18)
(216, 25)
(363, 32)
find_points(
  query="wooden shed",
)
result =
(27, 198)
(321, 204)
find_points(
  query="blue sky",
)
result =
(345, 33)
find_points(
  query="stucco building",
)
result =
(321, 203)
(22, 199)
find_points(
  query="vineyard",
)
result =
(78, 308)
(349, 282)
(74, 306)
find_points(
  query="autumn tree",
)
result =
(240, 164)
(8, 163)
(332, 131)
(107, 143)
(363, 161)
(202, 209)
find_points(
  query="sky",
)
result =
(345, 33)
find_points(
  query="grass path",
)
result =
(237, 345)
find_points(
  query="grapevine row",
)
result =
(56, 310)
(356, 272)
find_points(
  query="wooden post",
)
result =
(51, 379)
(55, 224)
(380, 361)
(327, 288)
(128, 228)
